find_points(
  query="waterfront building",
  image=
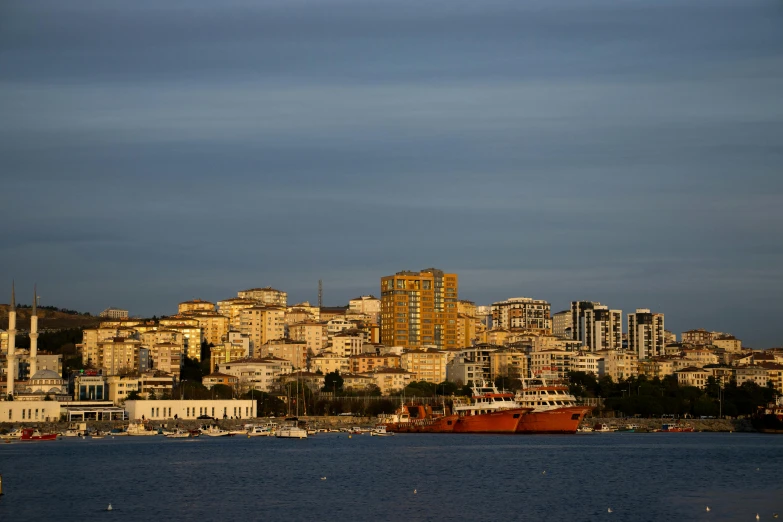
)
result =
(419, 309)
(646, 333)
(190, 409)
(265, 296)
(114, 313)
(89, 388)
(596, 326)
(219, 378)
(263, 324)
(522, 313)
(120, 386)
(425, 365)
(195, 306)
(44, 385)
(29, 411)
(692, 376)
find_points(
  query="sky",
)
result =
(628, 152)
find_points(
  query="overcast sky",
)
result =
(623, 152)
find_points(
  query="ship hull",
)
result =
(560, 420)
(504, 421)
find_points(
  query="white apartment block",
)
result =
(114, 313)
(258, 374)
(646, 335)
(522, 313)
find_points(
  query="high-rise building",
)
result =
(263, 324)
(562, 324)
(522, 313)
(646, 335)
(419, 309)
(596, 326)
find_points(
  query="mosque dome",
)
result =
(46, 374)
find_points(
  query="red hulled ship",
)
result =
(554, 408)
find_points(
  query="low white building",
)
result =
(29, 411)
(165, 410)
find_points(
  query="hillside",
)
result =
(47, 319)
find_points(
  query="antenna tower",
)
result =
(320, 293)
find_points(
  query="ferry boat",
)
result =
(30, 434)
(487, 411)
(554, 408)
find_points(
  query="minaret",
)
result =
(11, 369)
(34, 334)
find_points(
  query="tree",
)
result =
(333, 382)
(447, 388)
(134, 396)
(221, 391)
(191, 370)
(151, 395)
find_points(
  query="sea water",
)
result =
(640, 477)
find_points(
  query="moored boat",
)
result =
(260, 431)
(380, 431)
(179, 434)
(291, 430)
(554, 408)
(675, 428)
(14, 434)
(214, 431)
(30, 434)
(136, 429)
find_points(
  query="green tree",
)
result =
(221, 391)
(447, 388)
(134, 396)
(333, 382)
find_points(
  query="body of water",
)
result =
(641, 477)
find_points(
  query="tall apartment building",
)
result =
(419, 309)
(312, 333)
(265, 296)
(366, 304)
(522, 313)
(562, 324)
(646, 335)
(195, 306)
(263, 324)
(232, 308)
(596, 326)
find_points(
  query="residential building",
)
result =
(586, 362)
(265, 296)
(659, 367)
(699, 356)
(522, 313)
(191, 331)
(328, 362)
(692, 376)
(228, 351)
(219, 378)
(368, 362)
(232, 308)
(114, 313)
(774, 375)
(327, 313)
(390, 380)
(699, 337)
(167, 358)
(618, 364)
(508, 362)
(313, 311)
(646, 335)
(426, 365)
(347, 343)
(293, 351)
(313, 334)
(263, 324)
(48, 361)
(562, 324)
(752, 373)
(729, 343)
(355, 382)
(551, 364)
(596, 326)
(366, 304)
(118, 355)
(419, 309)
(256, 373)
(120, 386)
(463, 370)
(214, 327)
(196, 306)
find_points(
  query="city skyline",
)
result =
(160, 151)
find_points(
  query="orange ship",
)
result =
(488, 411)
(554, 408)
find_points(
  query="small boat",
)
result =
(233, 433)
(14, 434)
(179, 434)
(380, 431)
(136, 429)
(603, 428)
(260, 431)
(675, 428)
(30, 434)
(76, 429)
(585, 429)
(291, 430)
(214, 431)
(118, 432)
(629, 428)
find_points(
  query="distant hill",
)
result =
(47, 319)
